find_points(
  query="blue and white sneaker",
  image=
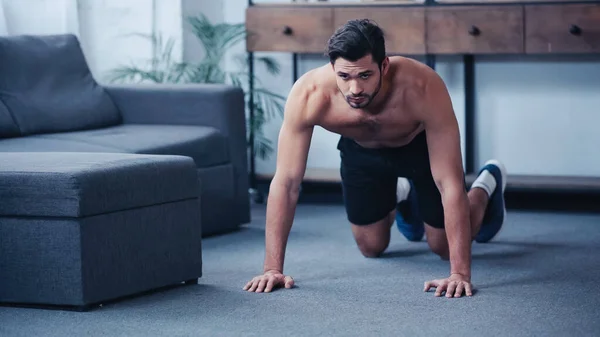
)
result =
(495, 213)
(407, 211)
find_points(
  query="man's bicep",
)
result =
(292, 152)
(293, 144)
(443, 139)
(445, 152)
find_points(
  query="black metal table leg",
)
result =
(469, 83)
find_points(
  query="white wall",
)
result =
(103, 26)
(538, 114)
(3, 26)
(106, 28)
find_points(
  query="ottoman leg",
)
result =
(192, 281)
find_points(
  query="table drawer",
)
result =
(301, 30)
(570, 28)
(404, 28)
(475, 30)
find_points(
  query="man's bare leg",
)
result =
(487, 201)
(436, 237)
(373, 239)
(478, 204)
(437, 241)
(478, 201)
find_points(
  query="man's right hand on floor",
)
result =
(269, 280)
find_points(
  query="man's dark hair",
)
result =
(356, 39)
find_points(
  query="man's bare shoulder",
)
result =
(311, 93)
(419, 82)
(410, 74)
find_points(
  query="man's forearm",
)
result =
(458, 230)
(281, 206)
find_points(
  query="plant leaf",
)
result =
(271, 65)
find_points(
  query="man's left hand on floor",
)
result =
(455, 286)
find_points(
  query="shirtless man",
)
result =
(396, 119)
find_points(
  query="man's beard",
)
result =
(367, 98)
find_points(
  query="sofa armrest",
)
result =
(216, 105)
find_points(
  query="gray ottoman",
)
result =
(79, 229)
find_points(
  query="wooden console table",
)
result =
(445, 27)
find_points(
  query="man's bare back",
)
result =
(399, 105)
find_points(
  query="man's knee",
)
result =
(438, 242)
(372, 248)
(443, 253)
(372, 240)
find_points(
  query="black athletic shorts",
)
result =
(369, 179)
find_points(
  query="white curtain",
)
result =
(3, 27)
(39, 16)
(104, 27)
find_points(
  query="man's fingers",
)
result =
(261, 285)
(451, 289)
(266, 283)
(468, 290)
(429, 285)
(459, 290)
(289, 282)
(254, 285)
(270, 284)
(440, 289)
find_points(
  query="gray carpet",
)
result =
(539, 278)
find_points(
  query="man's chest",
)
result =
(391, 127)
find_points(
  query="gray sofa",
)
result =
(50, 102)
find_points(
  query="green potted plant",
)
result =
(217, 40)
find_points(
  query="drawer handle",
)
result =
(575, 30)
(474, 31)
(287, 30)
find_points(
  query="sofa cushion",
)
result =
(8, 127)
(47, 85)
(49, 184)
(206, 145)
(39, 144)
